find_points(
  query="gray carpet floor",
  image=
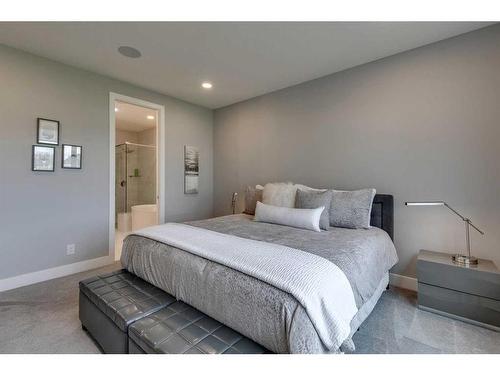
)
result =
(43, 318)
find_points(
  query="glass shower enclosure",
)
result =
(135, 176)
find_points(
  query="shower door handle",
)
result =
(123, 183)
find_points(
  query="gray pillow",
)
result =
(351, 209)
(315, 199)
(252, 196)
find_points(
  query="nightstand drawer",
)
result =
(481, 309)
(438, 269)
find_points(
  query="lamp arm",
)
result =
(463, 218)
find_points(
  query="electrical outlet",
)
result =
(70, 249)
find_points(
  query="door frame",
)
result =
(160, 160)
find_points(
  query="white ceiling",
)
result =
(242, 60)
(133, 118)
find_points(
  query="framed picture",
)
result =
(71, 157)
(191, 169)
(47, 131)
(43, 158)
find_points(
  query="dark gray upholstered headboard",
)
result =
(383, 213)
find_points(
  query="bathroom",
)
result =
(135, 170)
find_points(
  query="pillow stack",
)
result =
(346, 209)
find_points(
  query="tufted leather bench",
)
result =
(181, 329)
(110, 303)
(126, 314)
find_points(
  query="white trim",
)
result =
(160, 159)
(404, 282)
(53, 273)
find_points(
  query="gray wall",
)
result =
(424, 124)
(42, 212)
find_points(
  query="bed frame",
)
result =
(95, 318)
(382, 215)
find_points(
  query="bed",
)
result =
(257, 307)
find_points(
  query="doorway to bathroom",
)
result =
(136, 178)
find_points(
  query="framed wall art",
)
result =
(191, 170)
(71, 157)
(43, 158)
(47, 131)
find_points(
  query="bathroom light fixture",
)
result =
(150, 117)
(206, 85)
(116, 109)
(128, 51)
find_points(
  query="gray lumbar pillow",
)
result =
(314, 199)
(252, 196)
(351, 209)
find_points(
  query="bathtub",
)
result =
(144, 215)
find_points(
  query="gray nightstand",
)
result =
(469, 294)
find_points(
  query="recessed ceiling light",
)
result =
(206, 85)
(149, 117)
(116, 109)
(128, 51)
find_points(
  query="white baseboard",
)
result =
(53, 273)
(404, 282)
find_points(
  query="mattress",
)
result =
(265, 314)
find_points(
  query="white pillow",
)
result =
(280, 194)
(308, 188)
(305, 218)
